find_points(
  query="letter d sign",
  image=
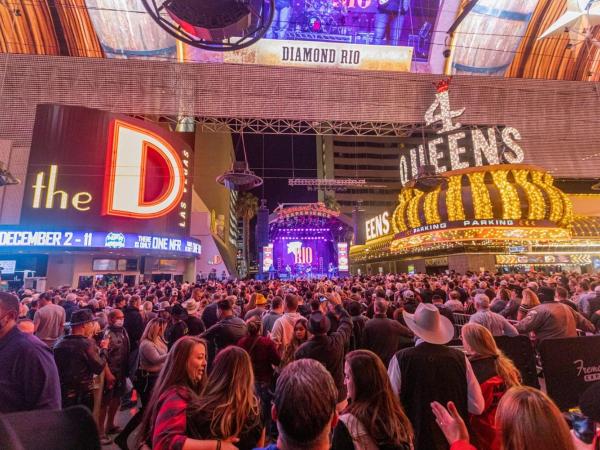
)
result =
(126, 173)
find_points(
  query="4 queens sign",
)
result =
(96, 170)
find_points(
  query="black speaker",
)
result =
(358, 222)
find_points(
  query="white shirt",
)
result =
(476, 403)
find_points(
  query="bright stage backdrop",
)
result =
(316, 253)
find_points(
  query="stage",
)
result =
(306, 241)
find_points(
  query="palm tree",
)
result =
(246, 208)
(331, 202)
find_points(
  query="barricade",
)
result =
(522, 354)
(570, 366)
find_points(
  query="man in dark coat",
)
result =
(28, 374)
(328, 349)
(134, 321)
(384, 336)
(78, 359)
(227, 331)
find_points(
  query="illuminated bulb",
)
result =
(454, 202)
(481, 197)
(413, 209)
(545, 182)
(537, 205)
(511, 205)
(432, 214)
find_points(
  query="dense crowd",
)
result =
(391, 361)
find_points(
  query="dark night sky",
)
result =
(270, 157)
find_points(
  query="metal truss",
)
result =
(328, 184)
(287, 126)
(292, 126)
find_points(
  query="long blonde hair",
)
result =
(530, 298)
(529, 420)
(228, 399)
(155, 332)
(481, 342)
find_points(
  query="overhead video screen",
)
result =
(511, 38)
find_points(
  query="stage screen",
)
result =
(267, 257)
(302, 253)
(342, 248)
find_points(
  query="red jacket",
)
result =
(484, 433)
(462, 445)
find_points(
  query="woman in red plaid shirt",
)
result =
(180, 381)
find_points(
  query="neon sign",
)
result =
(96, 240)
(103, 171)
(78, 200)
(457, 149)
(126, 173)
(377, 226)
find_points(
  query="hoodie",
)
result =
(283, 329)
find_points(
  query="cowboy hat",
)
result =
(428, 324)
(82, 316)
(191, 306)
(260, 300)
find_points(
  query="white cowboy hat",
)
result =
(191, 306)
(428, 324)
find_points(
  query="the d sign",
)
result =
(126, 166)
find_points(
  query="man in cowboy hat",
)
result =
(195, 325)
(431, 371)
(261, 303)
(78, 358)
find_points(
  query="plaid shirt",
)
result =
(170, 423)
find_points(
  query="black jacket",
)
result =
(226, 332)
(329, 351)
(134, 324)
(78, 359)
(118, 351)
(384, 337)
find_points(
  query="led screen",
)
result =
(101, 171)
(513, 38)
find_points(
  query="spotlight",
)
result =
(217, 25)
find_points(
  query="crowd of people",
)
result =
(370, 362)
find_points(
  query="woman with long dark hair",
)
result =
(264, 357)
(299, 337)
(374, 418)
(228, 405)
(179, 383)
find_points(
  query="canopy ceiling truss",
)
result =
(290, 126)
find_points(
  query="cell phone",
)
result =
(583, 427)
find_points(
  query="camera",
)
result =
(447, 52)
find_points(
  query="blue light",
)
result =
(16, 238)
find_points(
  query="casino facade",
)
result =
(500, 217)
(518, 149)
